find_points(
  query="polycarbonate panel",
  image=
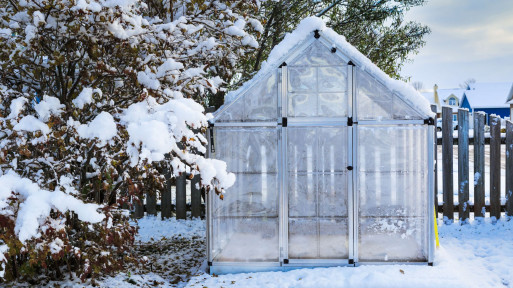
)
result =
(392, 191)
(332, 195)
(392, 239)
(373, 100)
(261, 101)
(303, 238)
(317, 91)
(317, 192)
(317, 54)
(403, 111)
(245, 223)
(303, 195)
(333, 240)
(385, 148)
(330, 79)
(302, 104)
(247, 149)
(258, 103)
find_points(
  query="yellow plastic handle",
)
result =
(436, 229)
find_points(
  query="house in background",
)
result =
(445, 97)
(491, 98)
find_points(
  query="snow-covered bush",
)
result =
(97, 99)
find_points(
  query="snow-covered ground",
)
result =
(479, 254)
(475, 255)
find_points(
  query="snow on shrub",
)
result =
(98, 99)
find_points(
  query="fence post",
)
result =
(195, 197)
(139, 208)
(151, 203)
(181, 208)
(479, 164)
(435, 193)
(463, 169)
(495, 167)
(447, 139)
(509, 168)
(165, 200)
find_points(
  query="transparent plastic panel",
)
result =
(392, 148)
(332, 79)
(233, 113)
(245, 239)
(403, 111)
(302, 150)
(333, 195)
(302, 104)
(373, 100)
(317, 54)
(261, 100)
(303, 195)
(333, 238)
(302, 79)
(247, 149)
(392, 239)
(332, 149)
(303, 238)
(332, 105)
(251, 195)
(392, 192)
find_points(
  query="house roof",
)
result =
(281, 52)
(489, 95)
(443, 94)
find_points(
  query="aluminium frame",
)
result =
(284, 263)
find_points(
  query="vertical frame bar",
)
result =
(509, 168)
(495, 167)
(463, 169)
(284, 249)
(447, 142)
(350, 162)
(208, 198)
(479, 165)
(434, 108)
(431, 193)
(354, 161)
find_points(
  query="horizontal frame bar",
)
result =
(390, 122)
(246, 124)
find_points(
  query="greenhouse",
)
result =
(333, 161)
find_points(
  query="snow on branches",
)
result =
(98, 99)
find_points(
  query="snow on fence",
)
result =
(478, 205)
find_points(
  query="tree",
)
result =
(376, 27)
(466, 83)
(418, 85)
(98, 99)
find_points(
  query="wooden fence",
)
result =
(478, 139)
(180, 208)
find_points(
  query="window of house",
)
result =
(452, 101)
(454, 117)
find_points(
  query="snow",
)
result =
(489, 95)
(47, 107)
(304, 30)
(30, 123)
(152, 228)
(85, 97)
(102, 127)
(37, 203)
(17, 105)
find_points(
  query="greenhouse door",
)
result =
(317, 144)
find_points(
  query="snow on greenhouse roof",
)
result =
(489, 95)
(305, 29)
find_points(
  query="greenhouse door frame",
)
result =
(285, 123)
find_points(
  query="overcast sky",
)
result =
(469, 39)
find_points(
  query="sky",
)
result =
(469, 39)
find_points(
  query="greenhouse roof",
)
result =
(282, 52)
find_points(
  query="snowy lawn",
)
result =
(475, 255)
